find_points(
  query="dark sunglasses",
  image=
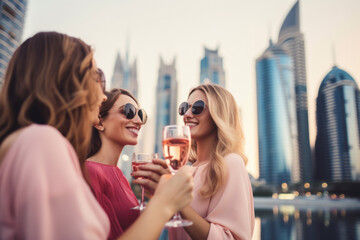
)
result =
(101, 79)
(196, 109)
(130, 111)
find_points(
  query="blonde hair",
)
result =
(50, 80)
(229, 136)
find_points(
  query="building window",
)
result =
(9, 10)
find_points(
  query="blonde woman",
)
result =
(49, 101)
(222, 207)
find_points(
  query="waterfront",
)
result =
(307, 218)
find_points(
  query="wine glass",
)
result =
(176, 146)
(137, 160)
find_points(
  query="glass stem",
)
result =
(177, 216)
(142, 196)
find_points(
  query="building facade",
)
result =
(277, 124)
(12, 16)
(211, 68)
(292, 41)
(125, 74)
(337, 147)
(166, 101)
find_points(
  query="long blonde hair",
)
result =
(50, 80)
(229, 136)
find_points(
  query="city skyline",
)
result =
(240, 29)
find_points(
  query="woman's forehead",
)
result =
(197, 95)
(124, 99)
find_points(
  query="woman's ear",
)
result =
(99, 126)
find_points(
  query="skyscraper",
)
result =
(277, 129)
(12, 15)
(292, 41)
(166, 101)
(337, 147)
(211, 68)
(125, 76)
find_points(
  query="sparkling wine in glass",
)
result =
(176, 147)
(138, 160)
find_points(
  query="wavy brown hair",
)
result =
(229, 136)
(112, 97)
(50, 80)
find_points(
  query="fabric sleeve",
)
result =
(98, 186)
(52, 200)
(231, 210)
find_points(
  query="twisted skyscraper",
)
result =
(292, 41)
(278, 153)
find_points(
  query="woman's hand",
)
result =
(150, 175)
(175, 192)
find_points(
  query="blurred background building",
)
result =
(211, 68)
(125, 74)
(166, 101)
(277, 128)
(12, 15)
(337, 144)
(292, 41)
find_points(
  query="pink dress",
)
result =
(230, 211)
(43, 193)
(113, 192)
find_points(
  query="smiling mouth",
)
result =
(134, 130)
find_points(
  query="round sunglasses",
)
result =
(130, 111)
(101, 79)
(196, 108)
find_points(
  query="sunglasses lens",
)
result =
(102, 79)
(130, 111)
(198, 107)
(183, 108)
(143, 116)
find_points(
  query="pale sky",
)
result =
(240, 28)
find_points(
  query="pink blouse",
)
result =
(43, 193)
(113, 192)
(230, 211)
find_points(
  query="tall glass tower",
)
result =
(337, 147)
(125, 76)
(277, 128)
(211, 68)
(292, 41)
(12, 15)
(166, 101)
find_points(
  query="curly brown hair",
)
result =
(50, 80)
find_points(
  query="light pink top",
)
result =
(230, 211)
(43, 193)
